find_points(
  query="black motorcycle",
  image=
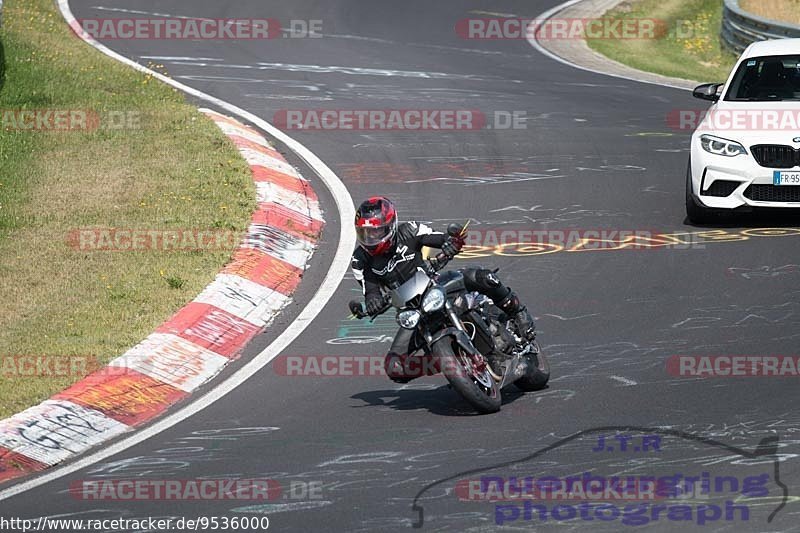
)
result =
(471, 341)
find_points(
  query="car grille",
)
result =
(776, 155)
(773, 193)
(722, 188)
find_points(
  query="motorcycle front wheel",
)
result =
(478, 388)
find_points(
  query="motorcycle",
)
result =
(470, 340)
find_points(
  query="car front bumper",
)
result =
(753, 183)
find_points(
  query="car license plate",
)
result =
(786, 178)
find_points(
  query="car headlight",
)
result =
(408, 319)
(720, 146)
(433, 301)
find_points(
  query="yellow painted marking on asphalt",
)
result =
(679, 240)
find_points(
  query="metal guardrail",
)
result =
(740, 28)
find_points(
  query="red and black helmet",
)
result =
(376, 225)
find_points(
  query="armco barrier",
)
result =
(741, 28)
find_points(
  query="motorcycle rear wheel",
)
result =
(538, 373)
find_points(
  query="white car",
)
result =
(745, 154)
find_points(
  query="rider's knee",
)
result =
(481, 278)
(488, 278)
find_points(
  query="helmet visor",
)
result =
(373, 236)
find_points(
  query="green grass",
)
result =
(690, 49)
(785, 10)
(175, 171)
(2, 65)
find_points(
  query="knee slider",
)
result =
(487, 278)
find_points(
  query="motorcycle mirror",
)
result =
(454, 229)
(355, 308)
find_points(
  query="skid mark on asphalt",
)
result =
(477, 170)
(271, 508)
(765, 271)
(625, 381)
(559, 317)
(179, 455)
(493, 179)
(735, 315)
(339, 69)
(373, 457)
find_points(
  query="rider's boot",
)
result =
(512, 307)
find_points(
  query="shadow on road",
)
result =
(440, 401)
(756, 219)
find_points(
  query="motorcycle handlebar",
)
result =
(440, 261)
(358, 310)
(442, 258)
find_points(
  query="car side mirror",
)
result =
(707, 91)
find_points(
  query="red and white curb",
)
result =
(198, 341)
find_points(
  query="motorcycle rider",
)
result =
(389, 253)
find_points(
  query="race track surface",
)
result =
(595, 153)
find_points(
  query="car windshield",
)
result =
(766, 79)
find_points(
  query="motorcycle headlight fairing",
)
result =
(408, 319)
(433, 300)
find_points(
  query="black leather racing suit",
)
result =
(398, 265)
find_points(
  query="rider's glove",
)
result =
(452, 246)
(374, 305)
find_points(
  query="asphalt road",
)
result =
(595, 153)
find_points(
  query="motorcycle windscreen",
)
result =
(409, 290)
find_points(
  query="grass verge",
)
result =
(785, 10)
(691, 48)
(165, 166)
